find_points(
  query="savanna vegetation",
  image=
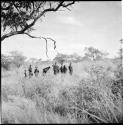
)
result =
(92, 94)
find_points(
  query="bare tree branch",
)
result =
(36, 10)
(54, 42)
(61, 4)
(32, 36)
(46, 46)
(45, 38)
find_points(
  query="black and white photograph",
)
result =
(61, 62)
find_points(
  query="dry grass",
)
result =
(84, 97)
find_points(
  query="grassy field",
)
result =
(88, 96)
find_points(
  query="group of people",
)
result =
(62, 68)
(56, 69)
(30, 72)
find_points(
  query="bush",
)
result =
(62, 98)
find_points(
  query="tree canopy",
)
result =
(94, 54)
(5, 61)
(19, 17)
(61, 58)
(18, 58)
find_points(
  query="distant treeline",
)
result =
(17, 59)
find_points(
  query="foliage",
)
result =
(94, 54)
(62, 98)
(5, 61)
(17, 58)
(32, 60)
(60, 58)
(19, 17)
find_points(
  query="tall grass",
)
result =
(84, 97)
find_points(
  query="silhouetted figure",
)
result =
(30, 71)
(55, 68)
(70, 69)
(46, 69)
(61, 69)
(25, 73)
(64, 69)
(36, 71)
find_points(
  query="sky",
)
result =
(96, 23)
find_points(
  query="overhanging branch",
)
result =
(34, 19)
(45, 38)
(28, 26)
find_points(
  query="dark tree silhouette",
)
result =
(19, 17)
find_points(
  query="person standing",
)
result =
(36, 71)
(70, 69)
(25, 73)
(64, 69)
(30, 71)
(55, 68)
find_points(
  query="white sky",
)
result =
(97, 24)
